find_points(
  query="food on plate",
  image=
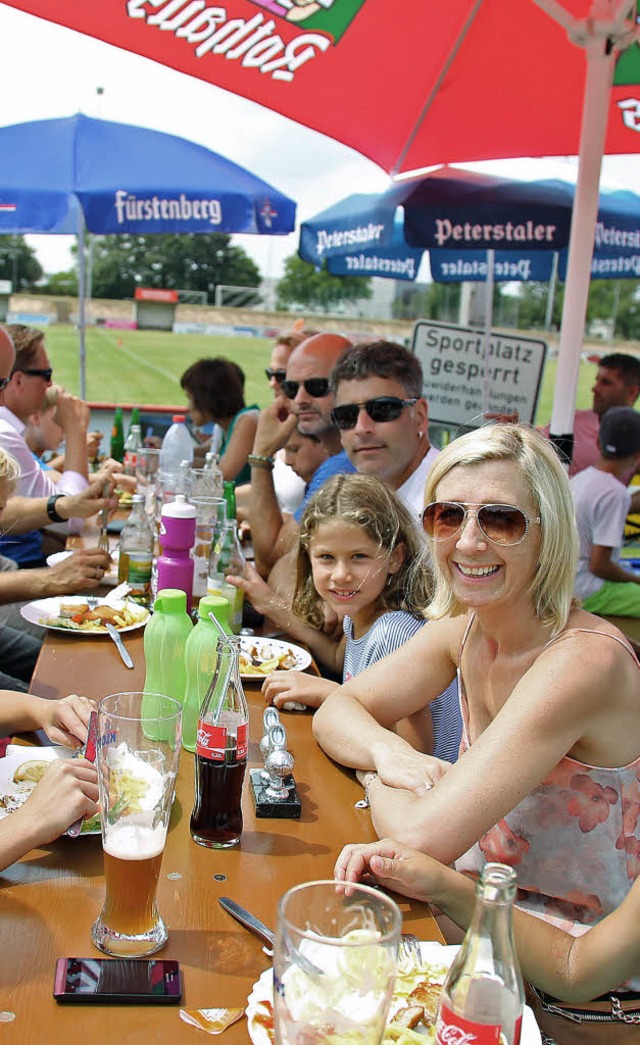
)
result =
(264, 659)
(412, 1012)
(79, 617)
(31, 772)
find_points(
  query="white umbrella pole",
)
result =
(81, 302)
(551, 292)
(488, 323)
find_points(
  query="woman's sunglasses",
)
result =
(277, 375)
(500, 523)
(380, 409)
(316, 387)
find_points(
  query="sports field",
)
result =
(142, 366)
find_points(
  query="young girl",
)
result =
(360, 554)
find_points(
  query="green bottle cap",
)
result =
(171, 600)
(220, 607)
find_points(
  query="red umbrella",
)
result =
(415, 83)
(407, 84)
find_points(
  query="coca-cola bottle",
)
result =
(221, 753)
(483, 997)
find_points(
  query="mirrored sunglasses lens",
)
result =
(502, 524)
(384, 409)
(442, 519)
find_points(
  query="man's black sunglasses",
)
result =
(380, 409)
(277, 375)
(316, 387)
(4, 381)
(44, 372)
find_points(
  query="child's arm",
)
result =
(284, 686)
(329, 649)
(67, 792)
(572, 968)
(602, 565)
(65, 721)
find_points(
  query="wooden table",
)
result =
(49, 900)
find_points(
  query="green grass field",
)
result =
(142, 366)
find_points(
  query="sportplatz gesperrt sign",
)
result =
(454, 368)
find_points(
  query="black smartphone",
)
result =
(135, 981)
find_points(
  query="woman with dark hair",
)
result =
(215, 389)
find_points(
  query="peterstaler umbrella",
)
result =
(115, 178)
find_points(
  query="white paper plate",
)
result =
(16, 756)
(110, 578)
(37, 613)
(259, 1009)
(269, 648)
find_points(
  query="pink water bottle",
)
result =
(177, 537)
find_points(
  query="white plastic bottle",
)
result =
(177, 446)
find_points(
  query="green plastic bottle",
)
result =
(200, 658)
(117, 436)
(165, 637)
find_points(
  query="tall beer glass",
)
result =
(137, 776)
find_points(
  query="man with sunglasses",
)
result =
(382, 417)
(23, 396)
(306, 402)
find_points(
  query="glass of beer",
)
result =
(137, 757)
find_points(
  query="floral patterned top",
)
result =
(574, 841)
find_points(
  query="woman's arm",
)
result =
(572, 968)
(556, 707)
(239, 446)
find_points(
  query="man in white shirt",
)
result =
(24, 395)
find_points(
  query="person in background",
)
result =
(44, 435)
(603, 503)
(360, 551)
(306, 402)
(288, 487)
(215, 389)
(617, 383)
(304, 454)
(547, 765)
(68, 790)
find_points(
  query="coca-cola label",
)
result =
(211, 742)
(452, 1029)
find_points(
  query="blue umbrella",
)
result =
(458, 216)
(70, 174)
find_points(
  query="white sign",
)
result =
(454, 368)
(6, 286)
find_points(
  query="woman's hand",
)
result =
(66, 721)
(412, 771)
(68, 791)
(284, 686)
(392, 865)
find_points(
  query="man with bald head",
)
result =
(307, 405)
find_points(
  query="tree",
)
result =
(304, 284)
(198, 262)
(18, 263)
(63, 284)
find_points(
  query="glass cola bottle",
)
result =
(483, 997)
(221, 753)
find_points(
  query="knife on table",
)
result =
(257, 927)
(113, 632)
(89, 753)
